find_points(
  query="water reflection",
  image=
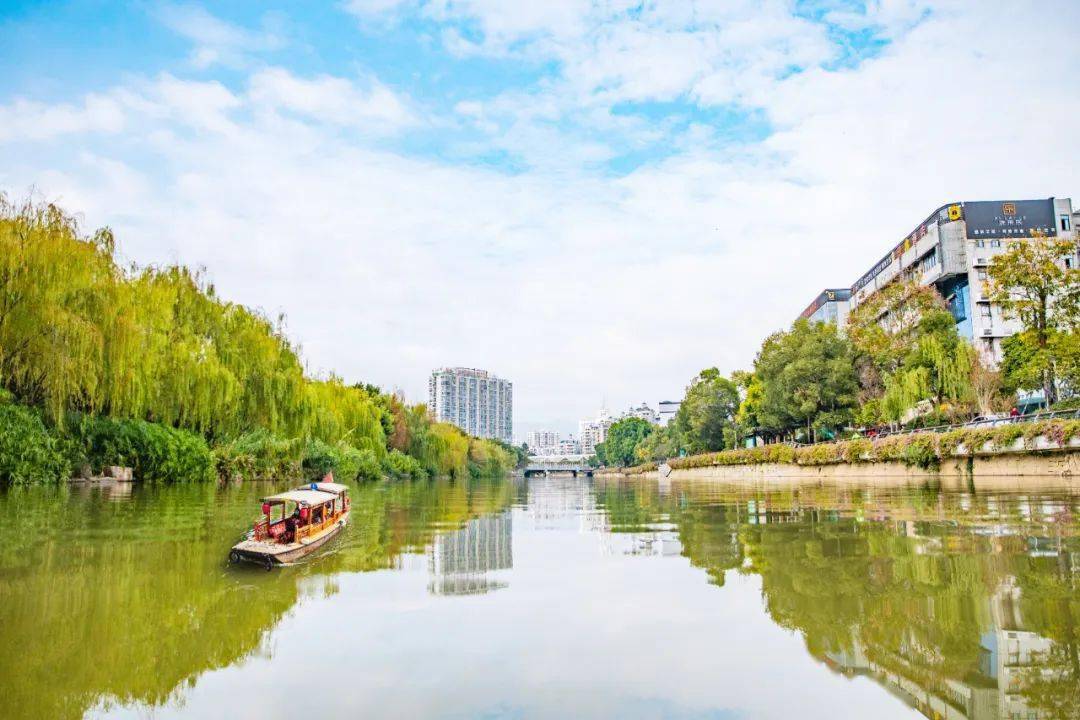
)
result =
(962, 605)
(615, 599)
(461, 561)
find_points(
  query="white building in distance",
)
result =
(593, 432)
(667, 411)
(476, 401)
(644, 412)
(542, 442)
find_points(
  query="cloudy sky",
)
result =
(592, 199)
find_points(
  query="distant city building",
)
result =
(569, 446)
(831, 306)
(643, 412)
(667, 410)
(951, 251)
(593, 432)
(542, 442)
(477, 402)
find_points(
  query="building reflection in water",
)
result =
(1008, 655)
(462, 562)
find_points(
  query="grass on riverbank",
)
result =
(923, 450)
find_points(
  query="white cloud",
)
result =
(217, 41)
(330, 99)
(26, 119)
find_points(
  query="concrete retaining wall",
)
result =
(1002, 470)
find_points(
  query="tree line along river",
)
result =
(550, 597)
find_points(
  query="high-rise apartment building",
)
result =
(476, 401)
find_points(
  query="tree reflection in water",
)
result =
(111, 598)
(963, 604)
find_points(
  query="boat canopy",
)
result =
(305, 497)
(335, 488)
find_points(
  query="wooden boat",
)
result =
(294, 524)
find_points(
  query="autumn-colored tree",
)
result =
(1032, 284)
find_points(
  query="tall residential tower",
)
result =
(477, 402)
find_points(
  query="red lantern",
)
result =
(304, 514)
(266, 508)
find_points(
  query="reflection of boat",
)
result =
(318, 512)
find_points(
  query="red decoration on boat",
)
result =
(266, 508)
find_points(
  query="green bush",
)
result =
(923, 450)
(154, 452)
(345, 461)
(399, 465)
(259, 455)
(29, 452)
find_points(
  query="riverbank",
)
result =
(1047, 449)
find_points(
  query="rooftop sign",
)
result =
(1009, 218)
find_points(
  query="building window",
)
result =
(1065, 223)
(985, 312)
(982, 274)
(995, 243)
(1068, 263)
(980, 243)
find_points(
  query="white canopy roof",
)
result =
(307, 497)
(335, 488)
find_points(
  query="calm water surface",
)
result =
(547, 598)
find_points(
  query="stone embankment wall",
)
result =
(1015, 466)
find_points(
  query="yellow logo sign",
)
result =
(1008, 209)
(954, 212)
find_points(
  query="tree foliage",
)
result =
(156, 351)
(707, 413)
(807, 380)
(622, 439)
(1032, 285)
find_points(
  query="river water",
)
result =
(547, 598)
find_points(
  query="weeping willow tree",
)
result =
(79, 333)
(57, 298)
(939, 370)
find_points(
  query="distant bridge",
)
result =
(551, 464)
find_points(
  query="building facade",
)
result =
(644, 412)
(951, 251)
(831, 306)
(476, 401)
(542, 442)
(593, 432)
(666, 411)
(569, 446)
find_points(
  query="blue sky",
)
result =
(593, 199)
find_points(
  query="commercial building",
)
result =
(951, 251)
(476, 401)
(831, 306)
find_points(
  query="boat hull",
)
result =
(269, 554)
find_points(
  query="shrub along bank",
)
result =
(923, 450)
